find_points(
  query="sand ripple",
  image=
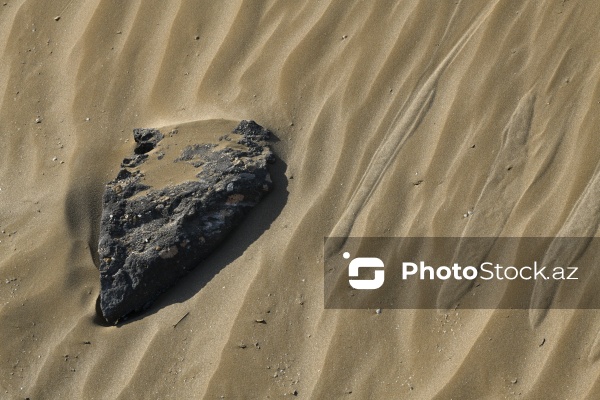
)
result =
(366, 99)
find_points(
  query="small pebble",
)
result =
(378, 311)
(38, 120)
(57, 18)
(54, 159)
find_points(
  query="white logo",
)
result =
(365, 262)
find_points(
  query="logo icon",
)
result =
(365, 262)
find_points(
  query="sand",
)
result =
(391, 119)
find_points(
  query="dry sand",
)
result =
(366, 99)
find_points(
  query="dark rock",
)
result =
(152, 236)
(146, 139)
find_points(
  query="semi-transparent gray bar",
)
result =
(466, 273)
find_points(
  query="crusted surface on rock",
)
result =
(151, 236)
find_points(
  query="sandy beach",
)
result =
(390, 118)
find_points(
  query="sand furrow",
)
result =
(583, 221)
(498, 197)
(404, 125)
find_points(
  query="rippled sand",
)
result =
(391, 118)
